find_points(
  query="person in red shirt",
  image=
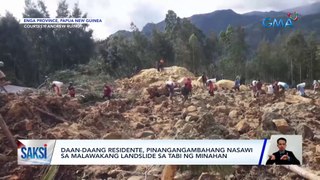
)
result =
(188, 84)
(107, 91)
(71, 90)
(211, 88)
(186, 89)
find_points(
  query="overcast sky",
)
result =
(117, 14)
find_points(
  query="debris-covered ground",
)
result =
(133, 114)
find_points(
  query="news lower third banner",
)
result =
(142, 152)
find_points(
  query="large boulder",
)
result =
(233, 114)
(186, 128)
(225, 84)
(305, 131)
(266, 120)
(279, 105)
(242, 126)
(191, 109)
(192, 117)
(221, 109)
(282, 125)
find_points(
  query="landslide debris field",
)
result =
(141, 110)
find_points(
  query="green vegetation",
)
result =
(31, 54)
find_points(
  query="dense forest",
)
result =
(30, 54)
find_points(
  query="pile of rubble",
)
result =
(227, 115)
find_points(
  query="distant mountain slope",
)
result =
(306, 10)
(210, 22)
(218, 21)
(148, 28)
(265, 14)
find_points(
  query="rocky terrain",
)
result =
(139, 113)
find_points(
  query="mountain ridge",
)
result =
(219, 20)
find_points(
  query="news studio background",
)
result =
(132, 90)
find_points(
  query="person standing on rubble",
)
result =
(56, 86)
(300, 88)
(275, 87)
(283, 86)
(259, 88)
(107, 91)
(254, 88)
(186, 89)
(212, 88)
(270, 90)
(71, 90)
(170, 85)
(276, 90)
(237, 84)
(161, 65)
(204, 79)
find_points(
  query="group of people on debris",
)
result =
(280, 87)
(57, 85)
(210, 83)
(256, 85)
(277, 88)
(186, 89)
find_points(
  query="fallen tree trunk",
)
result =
(169, 172)
(7, 132)
(56, 118)
(302, 172)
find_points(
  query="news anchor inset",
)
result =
(282, 156)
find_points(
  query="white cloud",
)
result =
(118, 14)
(142, 13)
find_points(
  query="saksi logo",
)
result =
(33, 152)
(281, 22)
